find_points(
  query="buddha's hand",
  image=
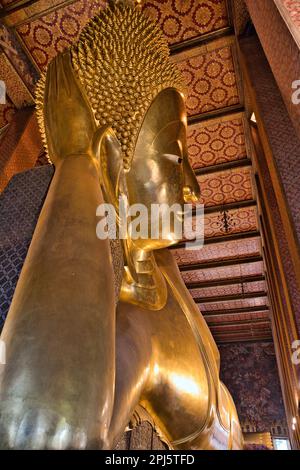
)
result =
(69, 122)
(71, 128)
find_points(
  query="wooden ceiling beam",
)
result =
(222, 239)
(201, 40)
(235, 311)
(245, 162)
(228, 298)
(264, 330)
(244, 339)
(242, 322)
(15, 7)
(225, 282)
(215, 114)
(244, 332)
(221, 263)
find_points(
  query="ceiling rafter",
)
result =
(221, 263)
(221, 239)
(245, 339)
(227, 298)
(243, 331)
(241, 322)
(216, 114)
(15, 7)
(202, 40)
(235, 164)
(235, 311)
(225, 282)
(40, 14)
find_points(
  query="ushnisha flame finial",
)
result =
(122, 61)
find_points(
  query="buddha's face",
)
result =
(160, 172)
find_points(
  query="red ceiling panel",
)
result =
(218, 143)
(233, 304)
(210, 80)
(182, 20)
(48, 35)
(226, 187)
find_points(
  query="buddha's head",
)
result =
(135, 92)
(122, 61)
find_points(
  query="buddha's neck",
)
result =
(143, 283)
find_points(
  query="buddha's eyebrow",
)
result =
(177, 123)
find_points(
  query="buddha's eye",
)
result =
(173, 158)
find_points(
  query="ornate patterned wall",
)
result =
(20, 206)
(281, 50)
(250, 373)
(280, 130)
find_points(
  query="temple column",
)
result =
(280, 47)
(274, 146)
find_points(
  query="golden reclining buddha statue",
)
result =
(98, 327)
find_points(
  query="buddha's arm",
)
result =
(56, 389)
(225, 423)
(133, 365)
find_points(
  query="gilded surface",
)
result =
(75, 382)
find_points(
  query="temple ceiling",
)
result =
(226, 277)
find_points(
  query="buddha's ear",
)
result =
(108, 152)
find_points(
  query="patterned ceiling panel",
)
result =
(210, 80)
(225, 187)
(225, 272)
(241, 328)
(39, 8)
(239, 221)
(233, 304)
(235, 289)
(220, 251)
(218, 143)
(181, 20)
(242, 220)
(50, 34)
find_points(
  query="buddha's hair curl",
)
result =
(122, 61)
